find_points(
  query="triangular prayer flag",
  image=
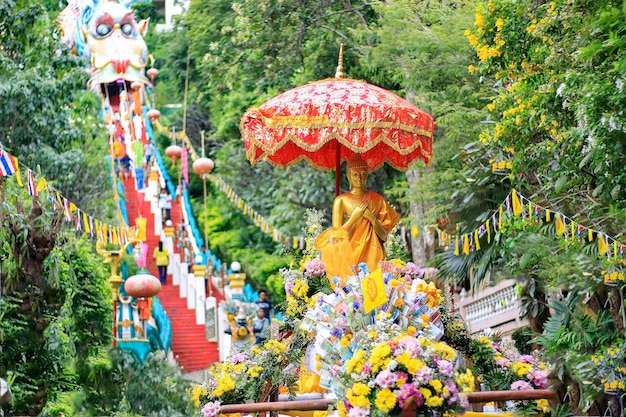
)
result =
(547, 215)
(517, 205)
(456, 245)
(488, 231)
(374, 292)
(590, 235)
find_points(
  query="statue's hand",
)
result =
(359, 211)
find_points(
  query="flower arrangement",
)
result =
(380, 358)
(502, 367)
(249, 375)
(385, 379)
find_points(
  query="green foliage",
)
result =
(522, 338)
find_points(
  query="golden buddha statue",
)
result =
(369, 219)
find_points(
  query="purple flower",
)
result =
(315, 268)
(412, 271)
(356, 305)
(521, 386)
(445, 367)
(336, 332)
(211, 409)
(539, 379)
(289, 284)
(386, 379)
(453, 391)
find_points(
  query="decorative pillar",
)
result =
(199, 272)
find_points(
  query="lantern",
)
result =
(203, 166)
(136, 85)
(152, 73)
(142, 287)
(154, 114)
(174, 152)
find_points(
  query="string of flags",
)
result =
(80, 221)
(515, 205)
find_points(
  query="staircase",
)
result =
(189, 344)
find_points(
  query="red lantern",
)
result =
(142, 286)
(203, 166)
(154, 114)
(174, 152)
(152, 73)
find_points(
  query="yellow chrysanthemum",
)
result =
(434, 402)
(385, 400)
(437, 385)
(360, 389)
(521, 369)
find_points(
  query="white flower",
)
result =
(560, 89)
(392, 365)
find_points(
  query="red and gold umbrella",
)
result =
(327, 122)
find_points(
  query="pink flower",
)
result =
(503, 362)
(211, 409)
(366, 369)
(410, 391)
(386, 379)
(411, 345)
(423, 375)
(521, 386)
(359, 412)
(314, 268)
(526, 359)
(539, 379)
(239, 358)
(445, 367)
(335, 370)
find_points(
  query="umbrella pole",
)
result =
(337, 172)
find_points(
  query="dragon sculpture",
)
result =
(108, 35)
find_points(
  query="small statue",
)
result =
(369, 219)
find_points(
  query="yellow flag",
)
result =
(466, 249)
(476, 239)
(374, 292)
(517, 205)
(414, 231)
(615, 249)
(500, 213)
(86, 223)
(559, 226)
(488, 231)
(42, 184)
(590, 235)
(456, 245)
(602, 249)
(295, 243)
(18, 176)
(547, 215)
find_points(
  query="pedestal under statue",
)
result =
(361, 221)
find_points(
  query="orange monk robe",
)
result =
(366, 245)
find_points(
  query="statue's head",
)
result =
(356, 171)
